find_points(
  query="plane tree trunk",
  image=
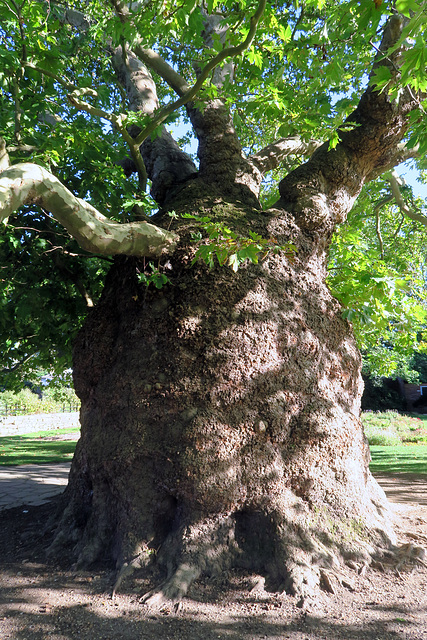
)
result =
(221, 414)
(220, 420)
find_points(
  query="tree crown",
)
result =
(88, 93)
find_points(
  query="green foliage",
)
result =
(377, 271)
(154, 276)
(228, 247)
(27, 402)
(302, 75)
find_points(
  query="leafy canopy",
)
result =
(301, 73)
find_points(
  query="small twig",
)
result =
(396, 182)
(119, 123)
(385, 57)
(378, 231)
(62, 81)
(300, 17)
(402, 219)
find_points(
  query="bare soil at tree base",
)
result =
(41, 600)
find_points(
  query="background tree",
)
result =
(220, 403)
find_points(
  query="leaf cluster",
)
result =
(377, 271)
(226, 247)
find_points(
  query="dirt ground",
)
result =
(42, 601)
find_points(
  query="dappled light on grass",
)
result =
(399, 459)
(34, 448)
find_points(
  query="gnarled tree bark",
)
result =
(221, 415)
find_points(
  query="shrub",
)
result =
(383, 437)
(391, 428)
(379, 396)
(27, 402)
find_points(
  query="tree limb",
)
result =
(162, 114)
(69, 86)
(4, 156)
(323, 190)
(162, 68)
(74, 18)
(31, 184)
(167, 165)
(272, 155)
(400, 154)
(378, 231)
(395, 183)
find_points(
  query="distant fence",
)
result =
(22, 410)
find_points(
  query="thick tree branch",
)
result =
(273, 154)
(31, 184)
(162, 68)
(215, 26)
(322, 191)
(4, 156)
(400, 154)
(167, 165)
(74, 18)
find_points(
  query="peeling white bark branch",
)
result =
(162, 68)
(162, 114)
(4, 156)
(395, 183)
(271, 156)
(31, 184)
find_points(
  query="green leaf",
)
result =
(381, 77)
(407, 6)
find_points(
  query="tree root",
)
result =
(397, 557)
(170, 592)
(127, 569)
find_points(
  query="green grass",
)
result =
(399, 459)
(31, 448)
(398, 442)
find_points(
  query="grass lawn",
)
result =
(399, 459)
(32, 448)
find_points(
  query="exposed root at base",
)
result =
(399, 556)
(172, 590)
(127, 569)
